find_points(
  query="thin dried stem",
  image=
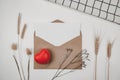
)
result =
(60, 73)
(65, 73)
(69, 51)
(108, 69)
(28, 51)
(22, 36)
(20, 58)
(22, 70)
(18, 46)
(67, 65)
(29, 68)
(109, 51)
(19, 22)
(95, 76)
(23, 31)
(72, 70)
(17, 67)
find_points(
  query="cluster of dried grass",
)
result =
(82, 55)
(109, 51)
(16, 47)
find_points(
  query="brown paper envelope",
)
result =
(58, 53)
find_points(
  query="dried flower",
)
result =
(97, 44)
(19, 21)
(69, 50)
(28, 51)
(23, 31)
(109, 47)
(60, 72)
(14, 46)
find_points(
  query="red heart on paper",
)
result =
(43, 57)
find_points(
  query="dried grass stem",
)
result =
(17, 66)
(23, 31)
(97, 44)
(19, 21)
(109, 49)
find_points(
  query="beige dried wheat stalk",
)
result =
(20, 43)
(14, 48)
(109, 51)
(28, 52)
(18, 28)
(19, 21)
(22, 36)
(18, 68)
(23, 31)
(97, 44)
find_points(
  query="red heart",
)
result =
(43, 57)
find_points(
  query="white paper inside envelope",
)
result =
(58, 33)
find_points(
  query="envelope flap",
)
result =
(58, 34)
(74, 43)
